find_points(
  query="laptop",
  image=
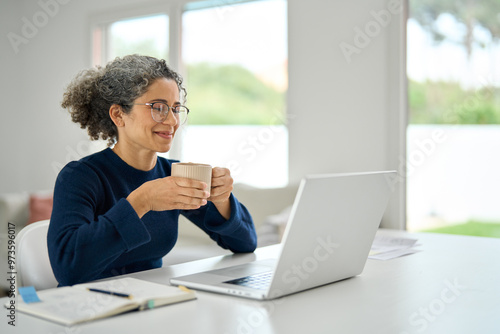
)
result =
(328, 237)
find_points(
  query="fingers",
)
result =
(172, 193)
(188, 194)
(219, 171)
(195, 204)
(191, 194)
(221, 177)
(190, 187)
(189, 183)
(222, 184)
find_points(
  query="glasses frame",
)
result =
(150, 104)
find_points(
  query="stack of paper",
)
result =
(386, 247)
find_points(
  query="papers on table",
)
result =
(386, 247)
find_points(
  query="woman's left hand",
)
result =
(222, 186)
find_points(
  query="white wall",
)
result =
(345, 112)
(343, 116)
(10, 121)
(39, 139)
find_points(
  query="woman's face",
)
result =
(141, 132)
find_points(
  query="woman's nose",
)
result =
(171, 119)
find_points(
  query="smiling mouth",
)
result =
(166, 135)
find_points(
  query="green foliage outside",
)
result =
(448, 103)
(230, 94)
(474, 228)
(219, 94)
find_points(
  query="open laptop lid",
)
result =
(329, 234)
(330, 231)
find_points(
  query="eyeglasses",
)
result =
(159, 111)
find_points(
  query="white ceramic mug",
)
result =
(201, 172)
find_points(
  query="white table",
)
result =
(452, 286)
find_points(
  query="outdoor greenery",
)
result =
(472, 228)
(231, 94)
(448, 103)
(220, 94)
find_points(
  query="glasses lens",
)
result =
(159, 111)
(181, 113)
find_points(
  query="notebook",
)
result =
(331, 228)
(76, 304)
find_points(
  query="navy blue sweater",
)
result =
(95, 233)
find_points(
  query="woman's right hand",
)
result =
(169, 193)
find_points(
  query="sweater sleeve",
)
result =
(82, 244)
(236, 234)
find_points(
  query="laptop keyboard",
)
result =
(259, 281)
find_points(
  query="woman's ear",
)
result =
(116, 114)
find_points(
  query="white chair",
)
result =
(32, 257)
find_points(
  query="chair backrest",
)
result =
(33, 264)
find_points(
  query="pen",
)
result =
(118, 294)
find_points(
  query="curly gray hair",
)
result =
(93, 91)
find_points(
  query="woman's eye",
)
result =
(157, 107)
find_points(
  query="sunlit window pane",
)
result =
(145, 35)
(236, 67)
(454, 93)
(235, 60)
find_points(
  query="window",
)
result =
(233, 56)
(147, 35)
(236, 76)
(453, 136)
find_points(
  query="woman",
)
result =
(116, 211)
